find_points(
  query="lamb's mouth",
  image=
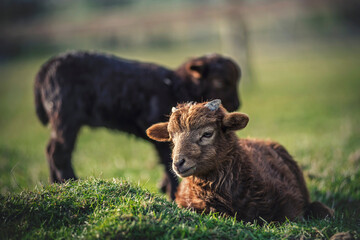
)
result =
(187, 172)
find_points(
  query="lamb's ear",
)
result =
(196, 69)
(159, 132)
(235, 121)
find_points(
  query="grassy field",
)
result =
(307, 99)
(113, 209)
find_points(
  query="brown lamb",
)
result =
(85, 88)
(247, 178)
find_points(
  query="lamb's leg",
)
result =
(170, 182)
(58, 151)
(318, 210)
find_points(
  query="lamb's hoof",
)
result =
(319, 210)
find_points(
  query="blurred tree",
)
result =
(110, 3)
(20, 10)
(234, 36)
(348, 11)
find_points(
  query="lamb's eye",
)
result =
(207, 134)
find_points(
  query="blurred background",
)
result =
(301, 80)
(236, 28)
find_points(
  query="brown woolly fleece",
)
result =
(247, 178)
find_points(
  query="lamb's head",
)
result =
(202, 134)
(214, 77)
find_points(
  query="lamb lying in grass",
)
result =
(247, 178)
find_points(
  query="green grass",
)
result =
(109, 209)
(308, 100)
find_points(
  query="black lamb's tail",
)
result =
(39, 106)
(318, 210)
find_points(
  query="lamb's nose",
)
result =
(180, 163)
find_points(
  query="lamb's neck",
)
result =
(220, 178)
(191, 91)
